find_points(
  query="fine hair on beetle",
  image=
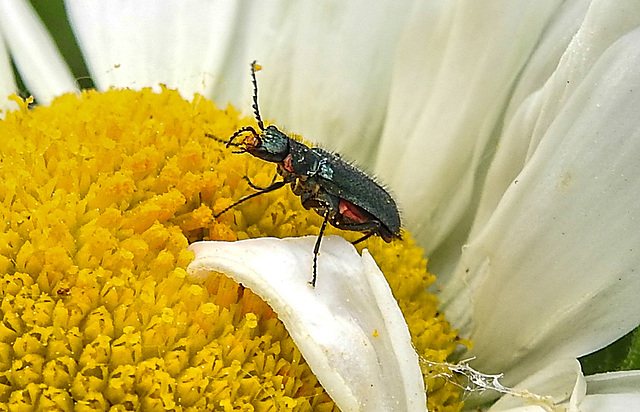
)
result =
(341, 193)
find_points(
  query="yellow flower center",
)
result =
(101, 194)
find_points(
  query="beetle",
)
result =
(342, 194)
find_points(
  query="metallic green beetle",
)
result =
(339, 192)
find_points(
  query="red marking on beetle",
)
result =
(286, 163)
(348, 209)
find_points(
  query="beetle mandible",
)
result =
(339, 192)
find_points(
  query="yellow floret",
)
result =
(101, 194)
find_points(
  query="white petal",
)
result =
(144, 43)
(615, 391)
(614, 382)
(349, 327)
(622, 402)
(326, 68)
(554, 271)
(38, 60)
(7, 81)
(561, 382)
(609, 392)
(547, 84)
(455, 68)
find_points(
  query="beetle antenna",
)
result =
(227, 143)
(238, 133)
(256, 110)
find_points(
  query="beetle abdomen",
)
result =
(350, 183)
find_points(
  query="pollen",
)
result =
(100, 195)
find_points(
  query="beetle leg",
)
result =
(363, 238)
(369, 228)
(274, 186)
(256, 187)
(316, 248)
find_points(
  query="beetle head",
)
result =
(271, 145)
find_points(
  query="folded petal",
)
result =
(349, 327)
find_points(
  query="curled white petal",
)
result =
(349, 327)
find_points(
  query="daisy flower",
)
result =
(507, 132)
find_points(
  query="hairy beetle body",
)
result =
(339, 192)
